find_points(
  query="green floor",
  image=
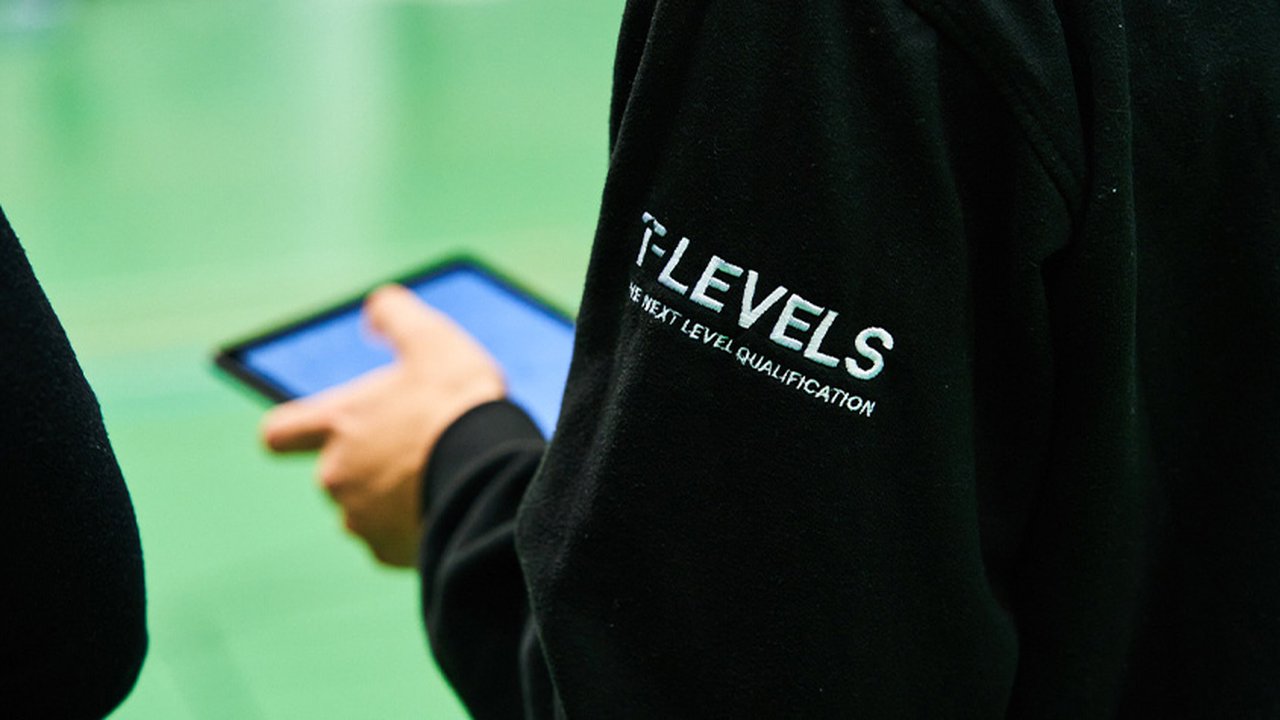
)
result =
(183, 172)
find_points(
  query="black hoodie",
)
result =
(926, 368)
(73, 601)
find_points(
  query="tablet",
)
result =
(530, 339)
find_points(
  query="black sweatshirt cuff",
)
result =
(471, 436)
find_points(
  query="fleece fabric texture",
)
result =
(926, 368)
(74, 603)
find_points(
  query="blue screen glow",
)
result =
(532, 345)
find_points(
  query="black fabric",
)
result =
(474, 480)
(1007, 444)
(74, 602)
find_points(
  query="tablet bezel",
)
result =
(228, 357)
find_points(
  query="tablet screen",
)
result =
(532, 343)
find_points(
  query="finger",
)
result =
(404, 320)
(296, 426)
(331, 473)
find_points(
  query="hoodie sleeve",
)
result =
(473, 593)
(808, 412)
(74, 594)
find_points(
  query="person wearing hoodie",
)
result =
(926, 367)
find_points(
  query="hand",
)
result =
(374, 433)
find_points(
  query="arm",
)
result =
(473, 593)
(75, 613)
(813, 382)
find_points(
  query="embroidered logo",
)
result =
(801, 325)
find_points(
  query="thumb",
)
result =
(398, 315)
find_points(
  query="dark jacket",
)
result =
(926, 368)
(74, 610)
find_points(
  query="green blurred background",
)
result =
(184, 172)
